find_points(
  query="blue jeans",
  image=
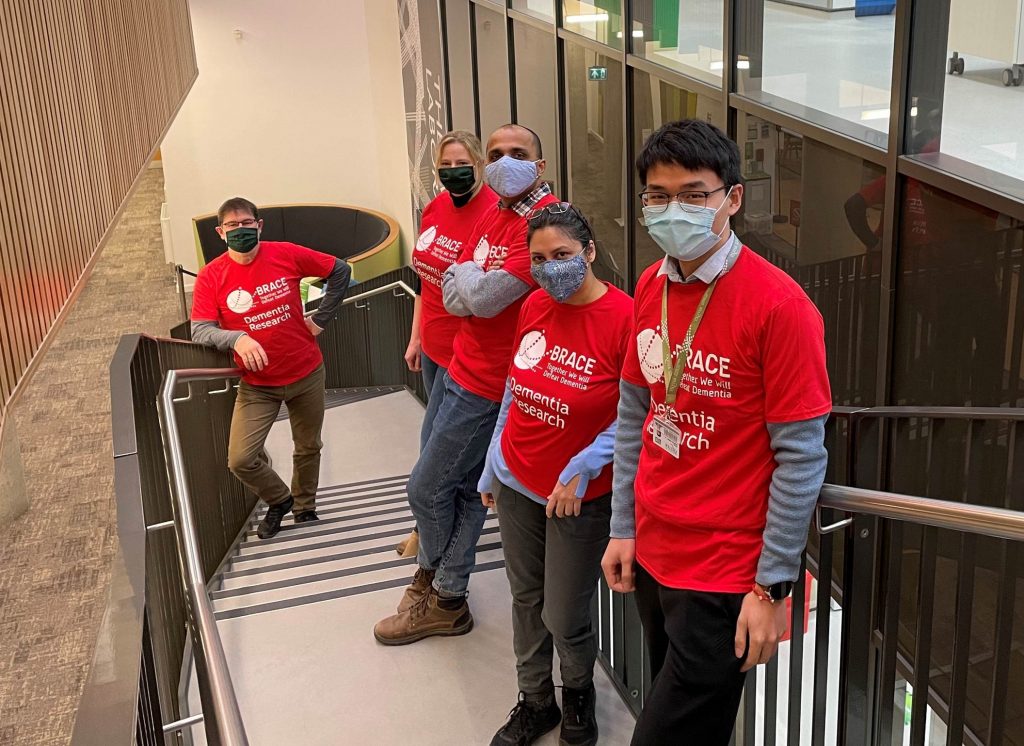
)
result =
(433, 382)
(442, 487)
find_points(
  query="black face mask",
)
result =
(459, 181)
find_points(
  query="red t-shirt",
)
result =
(262, 299)
(483, 347)
(444, 230)
(758, 357)
(565, 385)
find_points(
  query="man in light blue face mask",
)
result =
(719, 447)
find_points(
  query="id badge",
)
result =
(666, 435)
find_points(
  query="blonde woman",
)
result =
(446, 226)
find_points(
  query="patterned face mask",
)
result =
(561, 278)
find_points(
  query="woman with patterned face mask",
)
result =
(446, 225)
(548, 472)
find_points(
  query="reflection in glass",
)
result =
(596, 154)
(684, 35)
(834, 69)
(600, 20)
(536, 80)
(460, 65)
(492, 71)
(958, 302)
(656, 102)
(965, 101)
(541, 8)
(805, 210)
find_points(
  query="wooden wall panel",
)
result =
(87, 87)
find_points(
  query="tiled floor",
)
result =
(54, 560)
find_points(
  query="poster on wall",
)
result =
(426, 114)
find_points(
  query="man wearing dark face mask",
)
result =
(487, 286)
(247, 300)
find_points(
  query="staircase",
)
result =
(296, 612)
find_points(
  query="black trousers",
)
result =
(697, 683)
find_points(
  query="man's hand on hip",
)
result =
(762, 625)
(252, 353)
(313, 328)
(618, 564)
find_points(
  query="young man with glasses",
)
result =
(719, 452)
(247, 300)
(486, 286)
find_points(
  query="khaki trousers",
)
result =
(256, 410)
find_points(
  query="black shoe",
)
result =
(271, 522)
(579, 725)
(527, 722)
(306, 516)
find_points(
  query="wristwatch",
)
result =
(774, 592)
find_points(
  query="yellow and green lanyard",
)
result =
(674, 372)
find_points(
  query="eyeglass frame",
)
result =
(566, 207)
(247, 223)
(685, 206)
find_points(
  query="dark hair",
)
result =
(237, 204)
(572, 222)
(692, 144)
(533, 135)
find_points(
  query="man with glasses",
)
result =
(719, 452)
(247, 300)
(487, 286)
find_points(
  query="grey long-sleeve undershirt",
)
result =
(469, 291)
(800, 458)
(209, 333)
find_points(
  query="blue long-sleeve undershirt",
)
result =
(587, 464)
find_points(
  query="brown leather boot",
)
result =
(421, 582)
(424, 619)
(409, 546)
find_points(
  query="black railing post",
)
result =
(856, 670)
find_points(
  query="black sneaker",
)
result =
(306, 516)
(579, 725)
(271, 522)
(527, 722)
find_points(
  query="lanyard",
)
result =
(674, 373)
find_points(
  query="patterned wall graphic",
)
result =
(426, 114)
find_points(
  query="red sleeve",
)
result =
(874, 192)
(517, 262)
(310, 263)
(204, 298)
(793, 363)
(631, 372)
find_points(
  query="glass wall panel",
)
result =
(596, 150)
(959, 303)
(815, 212)
(600, 20)
(541, 8)
(966, 105)
(492, 71)
(834, 69)
(460, 65)
(536, 81)
(685, 35)
(656, 102)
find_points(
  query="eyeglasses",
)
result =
(232, 224)
(555, 208)
(691, 201)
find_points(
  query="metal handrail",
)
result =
(220, 705)
(392, 286)
(975, 519)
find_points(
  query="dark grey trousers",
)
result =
(553, 565)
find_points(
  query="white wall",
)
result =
(305, 107)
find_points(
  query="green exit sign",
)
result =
(597, 73)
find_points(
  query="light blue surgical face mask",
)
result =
(685, 234)
(510, 176)
(561, 278)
